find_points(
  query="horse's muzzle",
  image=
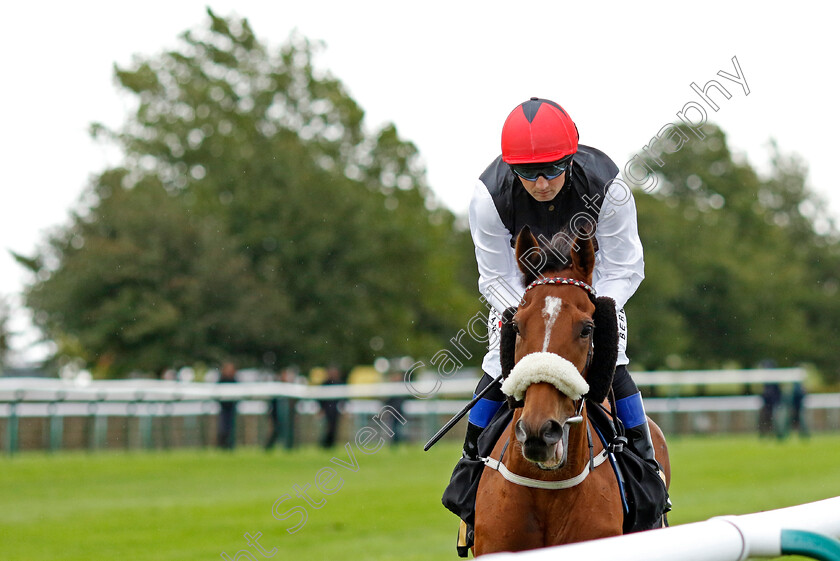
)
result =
(545, 446)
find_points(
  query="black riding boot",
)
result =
(639, 438)
(631, 411)
(481, 414)
(471, 441)
(479, 418)
(466, 537)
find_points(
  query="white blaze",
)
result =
(550, 312)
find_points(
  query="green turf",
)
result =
(197, 504)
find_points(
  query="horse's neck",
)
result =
(578, 455)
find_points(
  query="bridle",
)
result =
(578, 416)
(594, 460)
(560, 280)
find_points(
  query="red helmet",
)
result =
(536, 131)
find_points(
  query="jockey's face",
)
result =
(544, 189)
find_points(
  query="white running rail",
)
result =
(725, 538)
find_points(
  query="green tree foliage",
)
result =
(254, 217)
(740, 268)
(5, 333)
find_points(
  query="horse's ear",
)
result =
(605, 350)
(507, 350)
(507, 342)
(583, 255)
(529, 256)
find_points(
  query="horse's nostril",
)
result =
(552, 432)
(549, 434)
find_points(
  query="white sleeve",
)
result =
(619, 263)
(499, 279)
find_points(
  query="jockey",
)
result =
(544, 179)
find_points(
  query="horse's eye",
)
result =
(515, 327)
(586, 332)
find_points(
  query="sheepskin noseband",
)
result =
(545, 367)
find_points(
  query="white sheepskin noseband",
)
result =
(545, 367)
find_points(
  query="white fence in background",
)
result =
(426, 386)
(33, 410)
(727, 538)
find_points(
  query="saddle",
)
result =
(643, 493)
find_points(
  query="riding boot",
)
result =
(631, 413)
(639, 438)
(479, 418)
(481, 415)
(471, 441)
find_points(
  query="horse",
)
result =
(542, 484)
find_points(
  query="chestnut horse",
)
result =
(544, 484)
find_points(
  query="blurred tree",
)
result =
(254, 217)
(5, 333)
(738, 267)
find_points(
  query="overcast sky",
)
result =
(446, 73)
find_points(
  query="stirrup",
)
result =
(465, 540)
(668, 504)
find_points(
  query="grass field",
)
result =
(191, 505)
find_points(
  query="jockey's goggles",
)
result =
(549, 170)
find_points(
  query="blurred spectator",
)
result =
(797, 410)
(227, 410)
(772, 398)
(330, 409)
(278, 408)
(273, 418)
(396, 401)
(291, 375)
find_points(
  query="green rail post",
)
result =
(12, 428)
(100, 425)
(56, 427)
(88, 430)
(261, 424)
(810, 544)
(190, 427)
(130, 414)
(431, 420)
(238, 428)
(146, 425)
(288, 406)
(203, 421)
(166, 425)
(672, 421)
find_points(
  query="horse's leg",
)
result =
(660, 448)
(505, 518)
(589, 511)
